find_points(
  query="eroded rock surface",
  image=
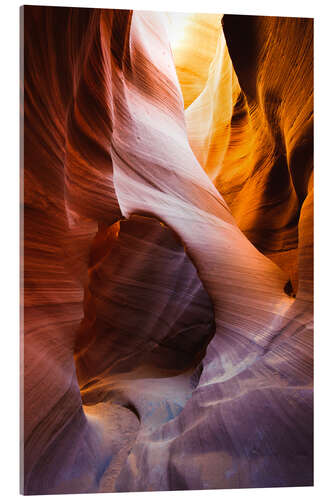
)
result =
(167, 253)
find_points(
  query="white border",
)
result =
(9, 259)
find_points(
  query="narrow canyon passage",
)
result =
(168, 251)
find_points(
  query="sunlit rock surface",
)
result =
(193, 39)
(168, 235)
(251, 128)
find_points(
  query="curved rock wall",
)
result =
(167, 253)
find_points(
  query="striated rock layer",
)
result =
(167, 252)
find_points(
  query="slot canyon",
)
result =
(168, 251)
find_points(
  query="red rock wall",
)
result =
(167, 254)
